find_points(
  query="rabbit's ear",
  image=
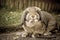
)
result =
(38, 10)
(23, 16)
(42, 15)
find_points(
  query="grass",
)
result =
(9, 18)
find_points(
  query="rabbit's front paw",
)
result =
(24, 34)
(33, 35)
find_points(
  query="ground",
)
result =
(15, 36)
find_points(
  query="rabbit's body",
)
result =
(37, 28)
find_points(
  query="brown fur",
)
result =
(45, 24)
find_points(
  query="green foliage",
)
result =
(9, 18)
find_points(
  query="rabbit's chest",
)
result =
(37, 26)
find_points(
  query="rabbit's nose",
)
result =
(33, 16)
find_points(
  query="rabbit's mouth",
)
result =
(31, 23)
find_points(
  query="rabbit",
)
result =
(35, 21)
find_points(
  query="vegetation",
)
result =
(9, 18)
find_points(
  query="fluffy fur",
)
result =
(36, 21)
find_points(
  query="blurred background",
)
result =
(47, 5)
(10, 10)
